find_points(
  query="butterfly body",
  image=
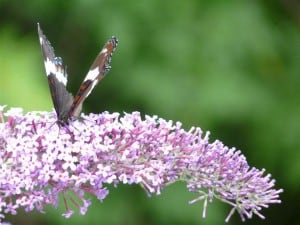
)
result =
(67, 107)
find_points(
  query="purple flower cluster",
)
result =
(41, 161)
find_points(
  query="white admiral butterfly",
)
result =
(65, 105)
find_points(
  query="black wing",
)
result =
(98, 70)
(57, 79)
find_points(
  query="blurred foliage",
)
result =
(231, 67)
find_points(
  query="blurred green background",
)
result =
(230, 67)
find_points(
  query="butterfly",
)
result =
(66, 106)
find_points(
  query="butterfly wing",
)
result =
(97, 72)
(57, 79)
